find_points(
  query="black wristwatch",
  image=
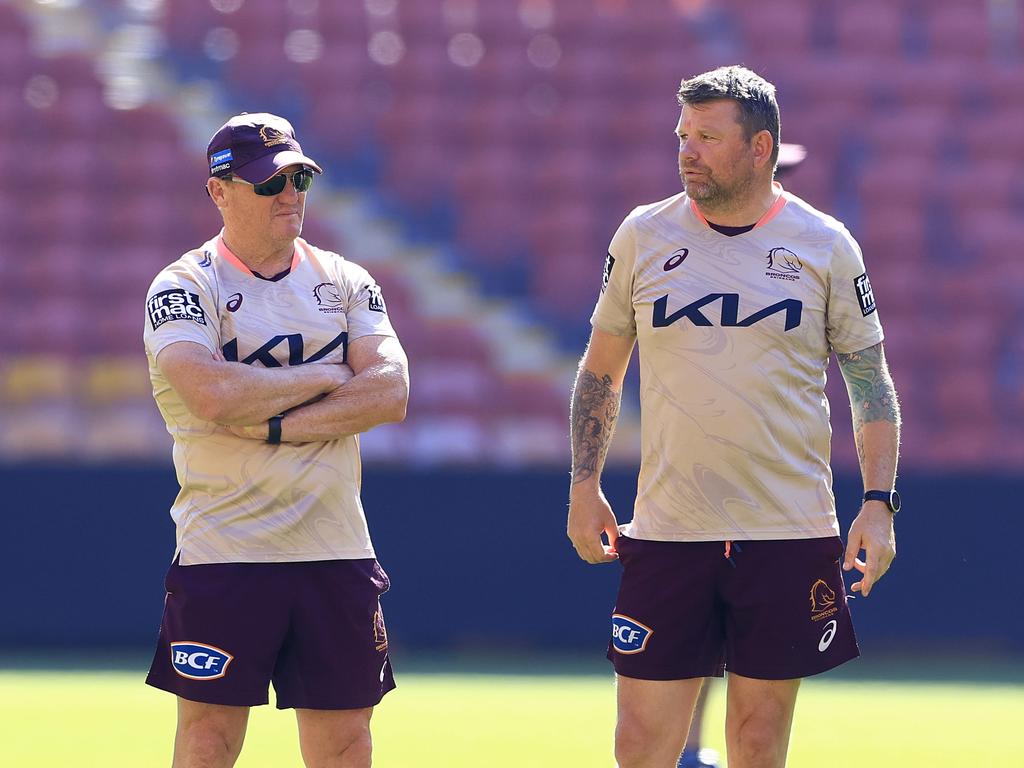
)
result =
(891, 498)
(274, 429)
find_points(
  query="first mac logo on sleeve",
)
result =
(175, 304)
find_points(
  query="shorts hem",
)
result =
(667, 674)
(255, 700)
(335, 706)
(792, 674)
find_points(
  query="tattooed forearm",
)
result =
(876, 413)
(872, 394)
(595, 407)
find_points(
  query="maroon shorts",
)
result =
(314, 629)
(775, 610)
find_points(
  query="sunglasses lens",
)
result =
(271, 186)
(302, 180)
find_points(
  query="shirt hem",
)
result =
(291, 557)
(728, 535)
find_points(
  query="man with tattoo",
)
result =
(737, 293)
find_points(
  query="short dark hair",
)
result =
(755, 96)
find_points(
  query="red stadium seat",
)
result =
(958, 31)
(872, 28)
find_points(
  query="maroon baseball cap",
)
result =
(254, 147)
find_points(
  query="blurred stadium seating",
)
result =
(493, 148)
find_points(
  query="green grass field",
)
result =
(455, 720)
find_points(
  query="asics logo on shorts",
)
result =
(198, 661)
(629, 635)
(826, 639)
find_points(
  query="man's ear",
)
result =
(762, 146)
(215, 189)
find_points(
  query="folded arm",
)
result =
(377, 394)
(236, 394)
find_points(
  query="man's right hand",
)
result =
(590, 516)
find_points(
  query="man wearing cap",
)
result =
(268, 357)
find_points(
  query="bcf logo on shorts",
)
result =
(198, 661)
(629, 635)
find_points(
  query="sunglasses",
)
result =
(302, 180)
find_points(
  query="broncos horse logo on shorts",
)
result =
(823, 600)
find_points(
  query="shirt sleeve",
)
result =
(851, 321)
(614, 312)
(367, 313)
(180, 308)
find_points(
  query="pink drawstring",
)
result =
(728, 549)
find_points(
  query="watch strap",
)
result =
(886, 497)
(274, 429)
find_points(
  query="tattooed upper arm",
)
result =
(872, 394)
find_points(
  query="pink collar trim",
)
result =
(225, 253)
(770, 214)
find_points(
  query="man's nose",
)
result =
(290, 192)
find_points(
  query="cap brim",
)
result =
(261, 169)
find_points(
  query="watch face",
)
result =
(895, 502)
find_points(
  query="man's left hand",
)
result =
(872, 532)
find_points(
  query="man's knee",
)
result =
(207, 743)
(758, 742)
(334, 740)
(638, 741)
(208, 735)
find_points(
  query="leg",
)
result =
(653, 717)
(208, 735)
(758, 720)
(697, 722)
(695, 756)
(335, 738)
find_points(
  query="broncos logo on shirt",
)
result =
(783, 260)
(327, 295)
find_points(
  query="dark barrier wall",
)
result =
(480, 560)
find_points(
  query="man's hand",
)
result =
(872, 532)
(590, 515)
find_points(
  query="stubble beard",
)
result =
(713, 195)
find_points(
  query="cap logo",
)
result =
(272, 136)
(220, 160)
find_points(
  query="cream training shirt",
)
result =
(245, 500)
(735, 335)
